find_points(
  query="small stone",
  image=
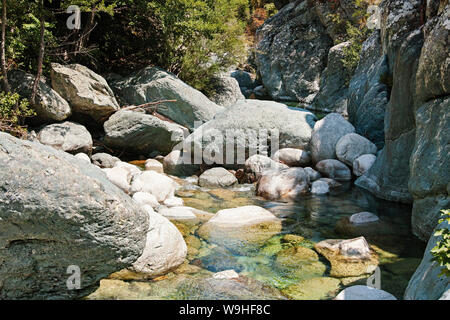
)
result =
(363, 217)
(154, 165)
(227, 274)
(320, 187)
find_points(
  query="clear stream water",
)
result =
(314, 218)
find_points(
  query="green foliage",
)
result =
(441, 251)
(13, 111)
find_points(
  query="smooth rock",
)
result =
(226, 91)
(326, 134)
(363, 164)
(161, 186)
(351, 146)
(313, 289)
(120, 177)
(363, 218)
(286, 184)
(293, 157)
(258, 164)
(227, 274)
(334, 169)
(313, 174)
(131, 168)
(154, 165)
(67, 136)
(165, 248)
(217, 177)
(178, 164)
(320, 187)
(173, 202)
(83, 156)
(179, 213)
(145, 198)
(364, 293)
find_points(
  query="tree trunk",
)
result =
(41, 56)
(5, 84)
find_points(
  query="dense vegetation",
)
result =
(441, 251)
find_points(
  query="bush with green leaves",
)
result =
(13, 112)
(441, 252)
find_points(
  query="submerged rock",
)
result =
(242, 229)
(334, 169)
(348, 258)
(67, 136)
(313, 289)
(57, 211)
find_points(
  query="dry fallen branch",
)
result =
(147, 105)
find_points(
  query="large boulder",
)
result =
(217, 178)
(154, 84)
(241, 229)
(258, 164)
(351, 146)
(49, 106)
(164, 250)
(286, 184)
(427, 283)
(369, 91)
(226, 91)
(178, 164)
(255, 125)
(292, 53)
(326, 134)
(87, 92)
(56, 212)
(141, 133)
(67, 136)
(333, 94)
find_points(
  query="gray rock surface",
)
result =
(364, 293)
(334, 169)
(104, 160)
(292, 53)
(154, 84)
(217, 178)
(87, 92)
(293, 157)
(227, 91)
(141, 133)
(351, 146)
(178, 164)
(250, 122)
(57, 211)
(326, 135)
(286, 184)
(67, 136)
(49, 106)
(363, 164)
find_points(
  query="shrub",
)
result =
(13, 112)
(441, 251)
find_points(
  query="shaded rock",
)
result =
(333, 94)
(142, 133)
(326, 135)
(255, 125)
(226, 91)
(87, 92)
(368, 93)
(104, 160)
(363, 218)
(426, 283)
(332, 183)
(313, 289)
(57, 211)
(320, 187)
(155, 84)
(219, 259)
(351, 146)
(293, 157)
(363, 164)
(348, 258)
(241, 229)
(159, 185)
(67, 136)
(178, 164)
(244, 79)
(364, 293)
(165, 248)
(334, 169)
(49, 106)
(285, 184)
(313, 174)
(290, 67)
(217, 177)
